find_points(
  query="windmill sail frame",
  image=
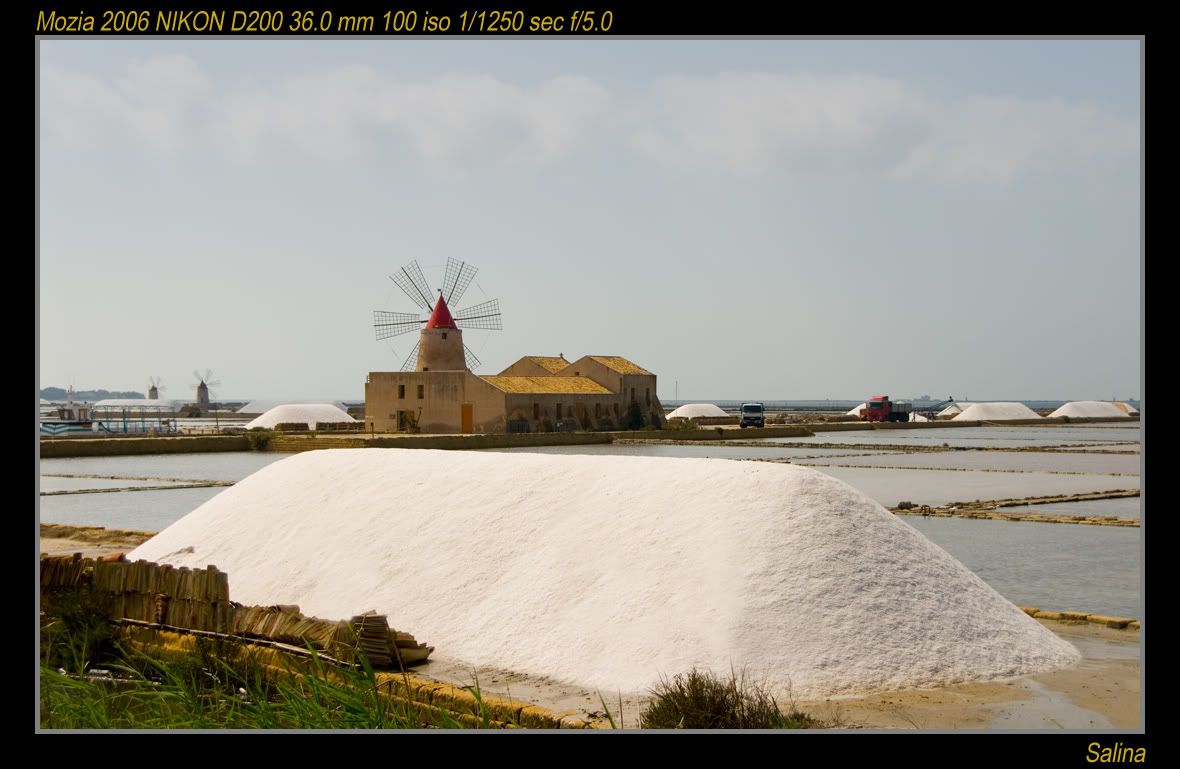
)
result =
(484, 316)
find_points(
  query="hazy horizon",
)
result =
(775, 219)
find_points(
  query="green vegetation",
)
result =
(702, 700)
(220, 685)
(681, 424)
(89, 680)
(259, 438)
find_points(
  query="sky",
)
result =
(770, 219)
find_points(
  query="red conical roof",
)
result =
(441, 317)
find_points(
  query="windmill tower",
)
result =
(154, 388)
(440, 339)
(204, 386)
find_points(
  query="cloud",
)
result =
(746, 121)
(344, 113)
(995, 139)
(740, 122)
(155, 102)
(752, 122)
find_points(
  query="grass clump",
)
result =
(701, 699)
(259, 438)
(220, 685)
(681, 424)
(76, 633)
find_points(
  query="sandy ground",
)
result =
(1101, 692)
(90, 541)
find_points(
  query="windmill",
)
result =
(204, 385)
(154, 388)
(440, 343)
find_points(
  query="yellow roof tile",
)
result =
(620, 364)
(548, 363)
(541, 385)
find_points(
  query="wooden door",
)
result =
(468, 420)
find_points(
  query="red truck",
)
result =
(880, 409)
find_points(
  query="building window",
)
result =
(632, 393)
(401, 391)
(616, 408)
(647, 394)
(559, 411)
(536, 411)
(598, 411)
(577, 373)
(421, 392)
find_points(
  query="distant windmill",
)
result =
(205, 385)
(155, 388)
(434, 351)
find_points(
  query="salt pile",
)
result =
(609, 571)
(996, 412)
(261, 407)
(855, 412)
(1128, 409)
(1089, 409)
(954, 408)
(697, 411)
(916, 417)
(310, 413)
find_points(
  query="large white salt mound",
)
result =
(1128, 409)
(263, 406)
(954, 408)
(855, 412)
(1089, 409)
(697, 410)
(916, 417)
(609, 571)
(996, 412)
(311, 413)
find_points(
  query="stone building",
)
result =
(534, 394)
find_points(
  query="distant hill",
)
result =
(59, 394)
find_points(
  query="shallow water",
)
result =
(709, 449)
(73, 484)
(1047, 565)
(215, 466)
(1122, 507)
(997, 437)
(136, 510)
(939, 487)
(1045, 461)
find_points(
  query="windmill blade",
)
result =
(208, 375)
(484, 316)
(456, 280)
(197, 376)
(214, 383)
(390, 324)
(470, 359)
(409, 279)
(411, 361)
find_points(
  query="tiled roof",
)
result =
(549, 364)
(619, 364)
(542, 385)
